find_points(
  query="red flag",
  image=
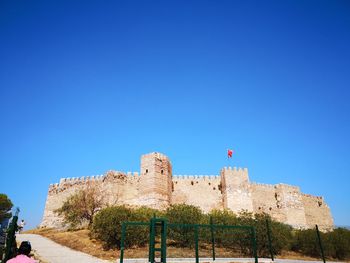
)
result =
(229, 153)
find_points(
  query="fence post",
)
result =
(122, 244)
(252, 231)
(268, 229)
(320, 244)
(163, 240)
(152, 240)
(196, 242)
(212, 237)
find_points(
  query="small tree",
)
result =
(81, 207)
(5, 207)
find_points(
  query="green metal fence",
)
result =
(192, 234)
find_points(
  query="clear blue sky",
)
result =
(88, 86)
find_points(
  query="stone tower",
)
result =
(155, 186)
(236, 189)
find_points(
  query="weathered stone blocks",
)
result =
(156, 187)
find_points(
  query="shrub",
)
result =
(280, 234)
(144, 213)
(223, 217)
(107, 227)
(336, 244)
(183, 214)
(305, 242)
(224, 237)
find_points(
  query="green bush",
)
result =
(223, 217)
(240, 239)
(144, 214)
(305, 242)
(107, 226)
(224, 237)
(183, 214)
(280, 233)
(281, 237)
(336, 244)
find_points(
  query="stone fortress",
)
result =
(155, 186)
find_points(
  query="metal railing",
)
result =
(164, 227)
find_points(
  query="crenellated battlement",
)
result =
(271, 186)
(238, 169)
(155, 186)
(156, 155)
(71, 181)
(287, 187)
(195, 177)
(80, 179)
(315, 197)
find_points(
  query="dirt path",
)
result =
(51, 252)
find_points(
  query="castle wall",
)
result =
(282, 202)
(202, 191)
(156, 187)
(116, 187)
(264, 198)
(57, 194)
(289, 199)
(317, 212)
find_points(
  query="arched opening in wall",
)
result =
(319, 203)
(172, 186)
(270, 208)
(161, 171)
(146, 171)
(192, 183)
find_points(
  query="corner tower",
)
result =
(155, 186)
(236, 192)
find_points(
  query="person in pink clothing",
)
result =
(23, 254)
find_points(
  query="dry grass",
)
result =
(77, 240)
(80, 240)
